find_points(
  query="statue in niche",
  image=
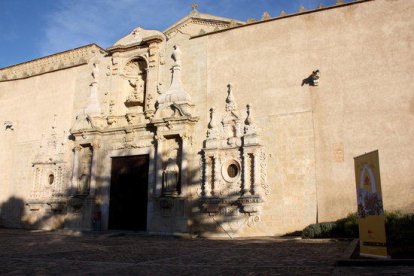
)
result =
(84, 171)
(135, 72)
(171, 177)
(176, 55)
(136, 93)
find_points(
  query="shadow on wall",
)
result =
(70, 210)
(11, 212)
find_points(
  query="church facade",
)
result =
(213, 127)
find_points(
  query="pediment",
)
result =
(137, 36)
(207, 23)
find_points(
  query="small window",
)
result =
(232, 170)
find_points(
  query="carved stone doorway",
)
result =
(129, 193)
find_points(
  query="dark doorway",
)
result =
(129, 193)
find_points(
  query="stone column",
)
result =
(205, 170)
(215, 172)
(94, 163)
(158, 166)
(246, 173)
(184, 165)
(75, 173)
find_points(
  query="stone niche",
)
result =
(81, 202)
(233, 167)
(135, 75)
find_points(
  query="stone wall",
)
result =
(309, 134)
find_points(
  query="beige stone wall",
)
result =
(310, 134)
(364, 102)
(32, 105)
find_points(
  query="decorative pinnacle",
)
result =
(301, 9)
(212, 123)
(266, 16)
(282, 13)
(230, 104)
(194, 7)
(248, 120)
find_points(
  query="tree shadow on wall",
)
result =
(80, 212)
(11, 212)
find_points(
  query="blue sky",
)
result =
(31, 29)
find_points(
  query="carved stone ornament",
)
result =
(49, 168)
(51, 63)
(233, 167)
(137, 36)
(176, 92)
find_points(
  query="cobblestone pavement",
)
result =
(40, 253)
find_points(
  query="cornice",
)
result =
(55, 62)
(285, 16)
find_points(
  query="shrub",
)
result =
(318, 230)
(399, 228)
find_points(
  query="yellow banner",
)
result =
(373, 242)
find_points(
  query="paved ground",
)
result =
(25, 252)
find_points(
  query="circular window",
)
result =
(230, 170)
(51, 178)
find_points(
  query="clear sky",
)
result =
(31, 29)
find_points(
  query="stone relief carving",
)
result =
(233, 164)
(49, 167)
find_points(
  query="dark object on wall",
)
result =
(313, 79)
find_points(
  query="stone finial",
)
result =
(302, 9)
(249, 119)
(232, 23)
(176, 55)
(93, 107)
(249, 126)
(230, 103)
(266, 16)
(212, 123)
(194, 12)
(212, 132)
(282, 13)
(176, 91)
